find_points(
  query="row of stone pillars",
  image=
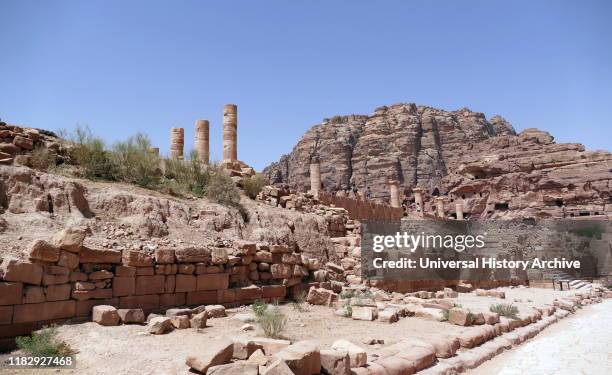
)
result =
(202, 138)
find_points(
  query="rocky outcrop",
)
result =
(460, 154)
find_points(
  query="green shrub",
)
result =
(90, 154)
(220, 187)
(272, 322)
(445, 314)
(346, 294)
(137, 164)
(44, 343)
(253, 185)
(348, 309)
(259, 307)
(505, 309)
(299, 301)
(189, 175)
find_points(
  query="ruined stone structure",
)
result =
(418, 199)
(202, 140)
(458, 154)
(439, 206)
(177, 143)
(459, 210)
(394, 193)
(230, 130)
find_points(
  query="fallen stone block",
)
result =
(105, 315)
(387, 316)
(215, 354)
(320, 296)
(160, 325)
(358, 356)
(396, 365)
(70, 239)
(335, 362)
(244, 347)
(178, 312)
(215, 311)
(302, 357)
(44, 251)
(271, 346)
(199, 320)
(180, 322)
(364, 313)
(131, 315)
(258, 358)
(459, 316)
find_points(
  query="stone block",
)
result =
(164, 256)
(137, 258)
(58, 292)
(277, 367)
(149, 284)
(124, 286)
(185, 283)
(459, 317)
(145, 271)
(302, 357)
(70, 239)
(180, 322)
(88, 255)
(125, 271)
(217, 353)
(100, 275)
(127, 316)
(33, 294)
(271, 346)
(199, 320)
(6, 315)
(44, 251)
(320, 296)
(16, 270)
(44, 311)
(172, 299)
(335, 362)
(105, 315)
(215, 311)
(213, 281)
(68, 260)
(281, 271)
(244, 347)
(83, 295)
(226, 296)
(49, 279)
(170, 284)
(192, 255)
(273, 291)
(364, 313)
(201, 297)
(248, 294)
(357, 356)
(235, 368)
(159, 325)
(11, 293)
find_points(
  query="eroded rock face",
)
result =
(481, 163)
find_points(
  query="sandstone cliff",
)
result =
(460, 154)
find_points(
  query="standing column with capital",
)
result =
(418, 200)
(459, 210)
(230, 130)
(315, 177)
(202, 140)
(440, 206)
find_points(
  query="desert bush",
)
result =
(44, 343)
(272, 322)
(189, 175)
(43, 159)
(445, 314)
(220, 187)
(259, 307)
(348, 309)
(253, 185)
(346, 294)
(90, 154)
(299, 301)
(136, 163)
(505, 309)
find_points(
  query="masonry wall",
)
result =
(63, 282)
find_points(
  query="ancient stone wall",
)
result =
(361, 209)
(64, 279)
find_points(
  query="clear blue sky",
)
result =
(128, 66)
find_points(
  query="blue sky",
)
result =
(121, 67)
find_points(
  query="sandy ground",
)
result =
(579, 344)
(130, 350)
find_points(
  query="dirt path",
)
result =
(580, 344)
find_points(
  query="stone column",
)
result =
(418, 199)
(201, 140)
(315, 178)
(177, 142)
(459, 210)
(440, 206)
(230, 129)
(394, 193)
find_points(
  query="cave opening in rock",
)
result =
(501, 206)
(559, 202)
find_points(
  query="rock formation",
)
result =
(459, 154)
